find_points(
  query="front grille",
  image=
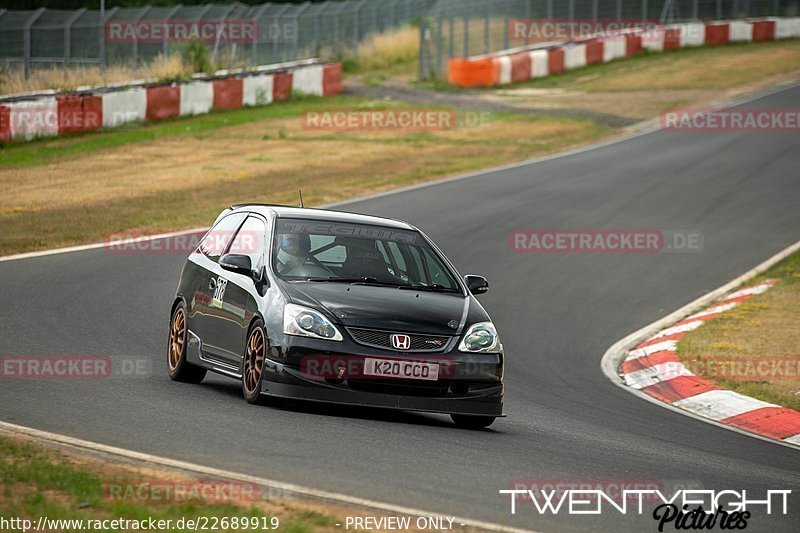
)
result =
(383, 339)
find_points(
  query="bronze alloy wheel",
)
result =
(177, 336)
(179, 368)
(254, 361)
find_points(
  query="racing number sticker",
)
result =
(219, 292)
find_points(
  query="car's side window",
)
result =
(217, 239)
(249, 241)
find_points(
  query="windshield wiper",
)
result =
(365, 280)
(431, 288)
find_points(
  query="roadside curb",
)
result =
(111, 452)
(645, 364)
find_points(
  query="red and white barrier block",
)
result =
(48, 115)
(653, 367)
(513, 66)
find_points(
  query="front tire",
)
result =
(253, 363)
(179, 368)
(472, 422)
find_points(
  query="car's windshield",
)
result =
(319, 250)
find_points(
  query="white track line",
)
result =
(226, 474)
(616, 353)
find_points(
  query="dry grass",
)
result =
(64, 484)
(763, 328)
(161, 68)
(644, 86)
(389, 52)
(180, 180)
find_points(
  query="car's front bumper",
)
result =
(469, 384)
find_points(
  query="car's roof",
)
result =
(283, 211)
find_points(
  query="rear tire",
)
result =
(179, 368)
(255, 353)
(472, 422)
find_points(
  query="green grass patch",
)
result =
(37, 482)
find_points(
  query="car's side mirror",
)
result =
(237, 263)
(476, 284)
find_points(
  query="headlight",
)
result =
(299, 320)
(481, 337)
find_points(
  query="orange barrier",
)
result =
(472, 72)
(281, 86)
(672, 38)
(163, 102)
(594, 51)
(555, 60)
(633, 44)
(228, 93)
(5, 124)
(332, 79)
(764, 30)
(520, 67)
(79, 113)
(717, 33)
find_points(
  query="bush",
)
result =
(198, 57)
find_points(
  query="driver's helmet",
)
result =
(296, 245)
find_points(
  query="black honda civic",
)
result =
(335, 307)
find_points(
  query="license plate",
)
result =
(391, 368)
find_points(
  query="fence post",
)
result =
(336, 28)
(777, 8)
(486, 26)
(277, 39)
(571, 10)
(505, 28)
(452, 37)
(142, 13)
(644, 10)
(219, 32)
(695, 9)
(296, 39)
(619, 11)
(164, 40)
(357, 22)
(439, 41)
(549, 9)
(465, 36)
(68, 34)
(421, 68)
(595, 11)
(254, 47)
(26, 32)
(719, 9)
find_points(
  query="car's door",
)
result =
(203, 304)
(236, 295)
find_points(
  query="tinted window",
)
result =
(319, 249)
(217, 239)
(249, 241)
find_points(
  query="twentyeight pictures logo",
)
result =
(683, 509)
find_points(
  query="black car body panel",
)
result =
(222, 305)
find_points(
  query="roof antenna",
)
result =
(301, 197)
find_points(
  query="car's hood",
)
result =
(387, 308)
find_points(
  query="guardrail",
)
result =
(535, 61)
(49, 113)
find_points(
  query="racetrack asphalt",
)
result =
(556, 313)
